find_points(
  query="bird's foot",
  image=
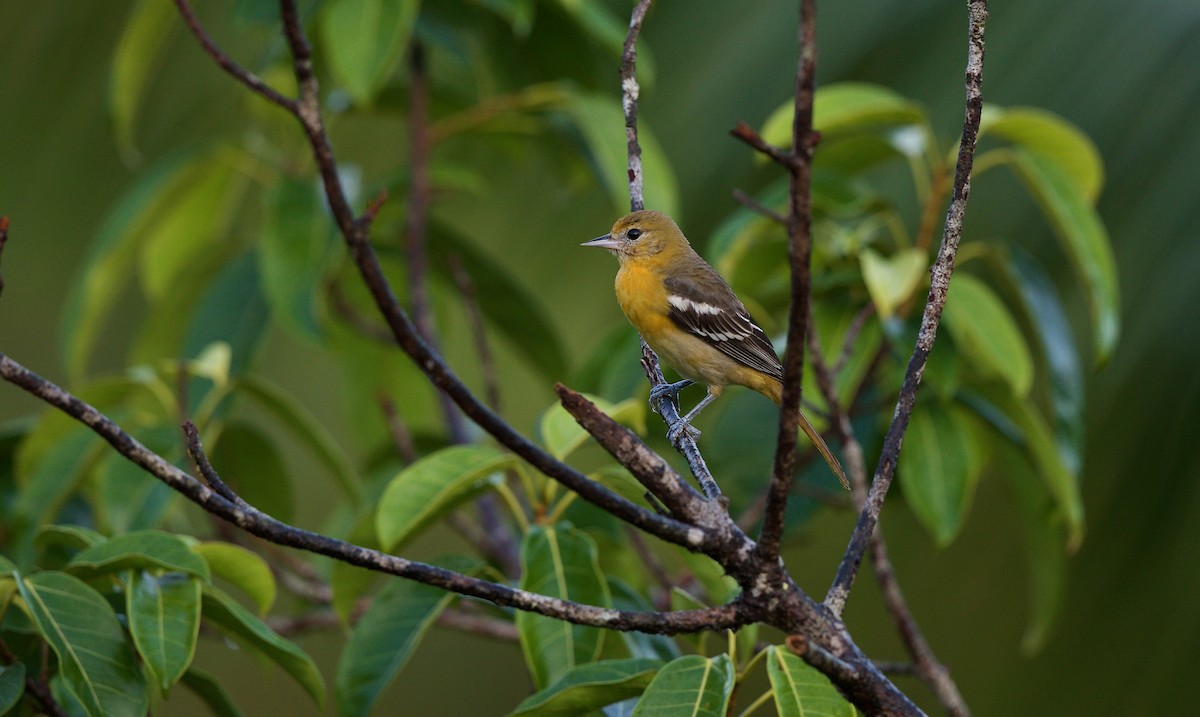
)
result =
(666, 389)
(675, 432)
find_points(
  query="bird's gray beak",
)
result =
(605, 242)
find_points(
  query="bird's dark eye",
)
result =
(633, 234)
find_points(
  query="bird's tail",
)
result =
(824, 450)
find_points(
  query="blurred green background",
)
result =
(1128, 639)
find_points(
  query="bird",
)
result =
(692, 319)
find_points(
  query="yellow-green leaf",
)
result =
(986, 333)
(891, 281)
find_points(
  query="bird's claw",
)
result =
(662, 390)
(674, 433)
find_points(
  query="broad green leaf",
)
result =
(1042, 535)
(187, 232)
(164, 619)
(110, 261)
(304, 426)
(233, 312)
(1038, 441)
(845, 106)
(801, 690)
(891, 281)
(589, 687)
(125, 496)
(12, 685)
(253, 467)
(505, 301)
(690, 685)
(349, 582)
(422, 492)
(95, 659)
(137, 55)
(561, 434)
(143, 549)
(1083, 238)
(383, 641)
(1063, 365)
(46, 484)
(211, 692)
(559, 562)
(601, 122)
(236, 620)
(1051, 138)
(364, 41)
(73, 537)
(292, 255)
(660, 648)
(241, 568)
(985, 331)
(939, 467)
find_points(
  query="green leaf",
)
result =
(211, 693)
(1083, 238)
(383, 641)
(561, 434)
(1063, 365)
(939, 467)
(429, 488)
(95, 659)
(365, 40)
(506, 302)
(243, 569)
(1042, 536)
(304, 426)
(1051, 138)
(12, 685)
(187, 232)
(350, 582)
(232, 312)
(146, 33)
(237, 620)
(985, 331)
(800, 689)
(690, 685)
(843, 107)
(1036, 438)
(559, 562)
(600, 121)
(73, 537)
(164, 620)
(109, 264)
(891, 281)
(249, 462)
(589, 687)
(293, 253)
(139, 550)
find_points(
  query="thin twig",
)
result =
(192, 438)
(402, 439)
(3, 241)
(939, 285)
(799, 226)
(629, 99)
(268, 528)
(757, 207)
(487, 364)
(852, 334)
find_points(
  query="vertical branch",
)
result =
(799, 226)
(487, 364)
(416, 224)
(939, 285)
(629, 98)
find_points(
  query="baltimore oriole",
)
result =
(692, 319)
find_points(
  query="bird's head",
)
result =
(642, 234)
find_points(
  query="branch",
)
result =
(799, 226)
(629, 98)
(939, 285)
(257, 523)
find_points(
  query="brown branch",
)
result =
(275, 531)
(241, 74)
(629, 98)
(3, 241)
(799, 226)
(402, 439)
(487, 364)
(754, 205)
(939, 285)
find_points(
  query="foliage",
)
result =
(228, 241)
